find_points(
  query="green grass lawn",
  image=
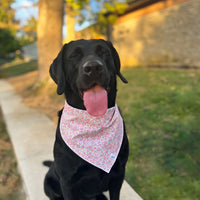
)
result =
(161, 109)
(12, 69)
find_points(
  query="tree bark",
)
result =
(49, 34)
(70, 23)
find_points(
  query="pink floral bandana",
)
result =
(97, 140)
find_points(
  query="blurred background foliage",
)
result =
(13, 36)
(18, 32)
(82, 11)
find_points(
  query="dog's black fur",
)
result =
(79, 66)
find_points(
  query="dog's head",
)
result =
(83, 64)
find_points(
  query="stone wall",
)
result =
(166, 37)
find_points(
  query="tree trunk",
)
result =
(49, 34)
(109, 30)
(70, 23)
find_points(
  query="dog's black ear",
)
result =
(117, 62)
(57, 73)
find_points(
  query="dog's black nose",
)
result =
(93, 67)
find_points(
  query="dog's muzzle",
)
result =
(93, 68)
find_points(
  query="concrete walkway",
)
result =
(32, 134)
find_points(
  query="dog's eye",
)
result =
(77, 53)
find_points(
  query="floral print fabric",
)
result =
(97, 140)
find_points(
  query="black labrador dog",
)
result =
(79, 66)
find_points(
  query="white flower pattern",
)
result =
(97, 140)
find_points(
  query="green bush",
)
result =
(8, 42)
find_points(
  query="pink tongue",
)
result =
(96, 101)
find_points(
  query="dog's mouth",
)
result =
(95, 100)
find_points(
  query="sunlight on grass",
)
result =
(15, 69)
(161, 111)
